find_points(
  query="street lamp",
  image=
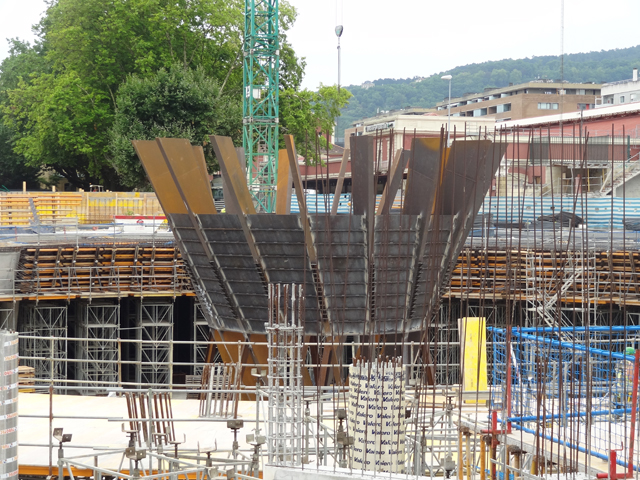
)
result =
(448, 77)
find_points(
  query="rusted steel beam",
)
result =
(166, 189)
(228, 206)
(362, 190)
(297, 183)
(188, 170)
(423, 177)
(343, 170)
(239, 196)
(198, 152)
(395, 179)
(283, 197)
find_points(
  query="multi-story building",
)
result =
(618, 93)
(532, 99)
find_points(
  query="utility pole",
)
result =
(260, 107)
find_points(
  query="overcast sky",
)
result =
(406, 38)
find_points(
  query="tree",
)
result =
(175, 102)
(304, 114)
(60, 122)
(61, 117)
(24, 60)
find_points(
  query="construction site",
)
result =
(441, 297)
(461, 322)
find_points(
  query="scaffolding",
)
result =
(154, 353)
(201, 337)
(554, 279)
(46, 326)
(7, 316)
(99, 366)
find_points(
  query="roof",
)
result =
(592, 114)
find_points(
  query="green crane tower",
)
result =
(260, 104)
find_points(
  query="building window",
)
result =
(585, 106)
(621, 98)
(581, 92)
(633, 97)
(547, 106)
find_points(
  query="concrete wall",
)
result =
(631, 189)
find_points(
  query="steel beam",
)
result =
(343, 169)
(362, 193)
(153, 162)
(393, 182)
(239, 196)
(423, 177)
(189, 173)
(283, 197)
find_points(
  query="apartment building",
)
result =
(619, 93)
(527, 100)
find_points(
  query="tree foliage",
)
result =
(174, 102)
(60, 112)
(304, 114)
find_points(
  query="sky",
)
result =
(407, 38)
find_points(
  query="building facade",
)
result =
(619, 93)
(532, 99)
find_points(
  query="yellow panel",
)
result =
(187, 169)
(473, 345)
(153, 162)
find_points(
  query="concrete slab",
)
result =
(103, 430)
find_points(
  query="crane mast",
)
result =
(261, 67)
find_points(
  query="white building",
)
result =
(617, 93)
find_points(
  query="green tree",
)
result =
(175, 102)
(61, 117)
(305, 114)
(499, 77)
(24, 60)
(515, 76)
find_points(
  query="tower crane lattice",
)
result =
(261, 67)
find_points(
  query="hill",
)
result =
(390, 94)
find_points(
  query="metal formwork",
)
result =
(99, 325)
(45, 327)
(154, 353)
